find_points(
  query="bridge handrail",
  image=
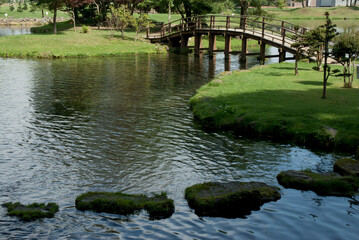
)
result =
(283, 32)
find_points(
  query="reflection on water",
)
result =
(13, 30)
(123, 124)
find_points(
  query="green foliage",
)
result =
(25, 7)
(158, 206)
(31, 212)
(346, 51)
(119, 18)
(142, 23)
(85, 29)
(11, 8)
(19, 8)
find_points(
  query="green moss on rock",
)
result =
(233, 199)
(32, 211)
(328, 184)
(158, 206)
(347, 167)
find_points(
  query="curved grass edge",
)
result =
(217, 106)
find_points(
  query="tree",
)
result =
(330, 33)
(54, 6)
(131, 5)
(315, 41)
(346, 51)
(71, 6)
(142, 23)
(300, 46)
(119, 18)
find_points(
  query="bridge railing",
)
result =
(263, 27)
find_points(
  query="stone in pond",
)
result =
(158, 206)
(231, 200)
(327, 184)
(347, 167)
(32, 211)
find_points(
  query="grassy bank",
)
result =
(26, 13)
(74, 44)
(314, 12)
(271, 103)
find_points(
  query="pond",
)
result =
(123, 124)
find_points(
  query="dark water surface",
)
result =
(14, 30)
(123, 124)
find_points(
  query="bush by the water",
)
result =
(158, 206)
(32, 211)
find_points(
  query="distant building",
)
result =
(331, 3)
(307, 3)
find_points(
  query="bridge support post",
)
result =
(227, 63)
(184, 41)
(212, 44)
(243, 58)
(281, 55)
(228, 45)
(197, 43)
(262, 53)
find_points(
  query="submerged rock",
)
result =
(158, 206)
(233, 199)
(347, 167)
(31, 212)
(328, 184)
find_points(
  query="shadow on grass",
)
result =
(295, 115)
(291, 68)
(314, 83)
(49, 28)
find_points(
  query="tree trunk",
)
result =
(42, 12)
(303, 4)
(54, 19)
(244, 8)
(74, 18)
(296, 64)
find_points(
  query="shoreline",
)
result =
(282, 111)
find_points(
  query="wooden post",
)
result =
(262, 54)
(148, 32)
(212, 44)
(244, 50)
(228, 23)
(169, 28)
(228, 45)
(184, 41)
(281, 55)
(197, 43)
(263, 26)
(211, 67)
(227, 63)
(212, 25)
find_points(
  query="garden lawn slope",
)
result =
(72, 44)
(270, 102)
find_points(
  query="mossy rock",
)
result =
(328, 184)
(32, 211)
(347, 167)
(231, 200)
(158, 206)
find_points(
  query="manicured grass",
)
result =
(314, 12)
(270, 102)
(26, 13)
(74, 44)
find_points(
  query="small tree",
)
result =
(119, 19)
(300, 46)
(330, 33)
(142, 23)
(346, 51)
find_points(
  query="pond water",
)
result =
(14, 30)
(123, 124)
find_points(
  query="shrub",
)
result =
(12, 8)
(85, 29)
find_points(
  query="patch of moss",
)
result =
(347, 167)
(328, 184)
(32, 211)
(158, 206)
(233, 199)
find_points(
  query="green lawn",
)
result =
(270, 102)
(74, 44)
(314, 12)
(26, 13)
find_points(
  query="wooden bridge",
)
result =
(266, 31)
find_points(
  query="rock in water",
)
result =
(233, 199)
(328, 184)
(32, 211)
(158, 206)
(347, 167)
